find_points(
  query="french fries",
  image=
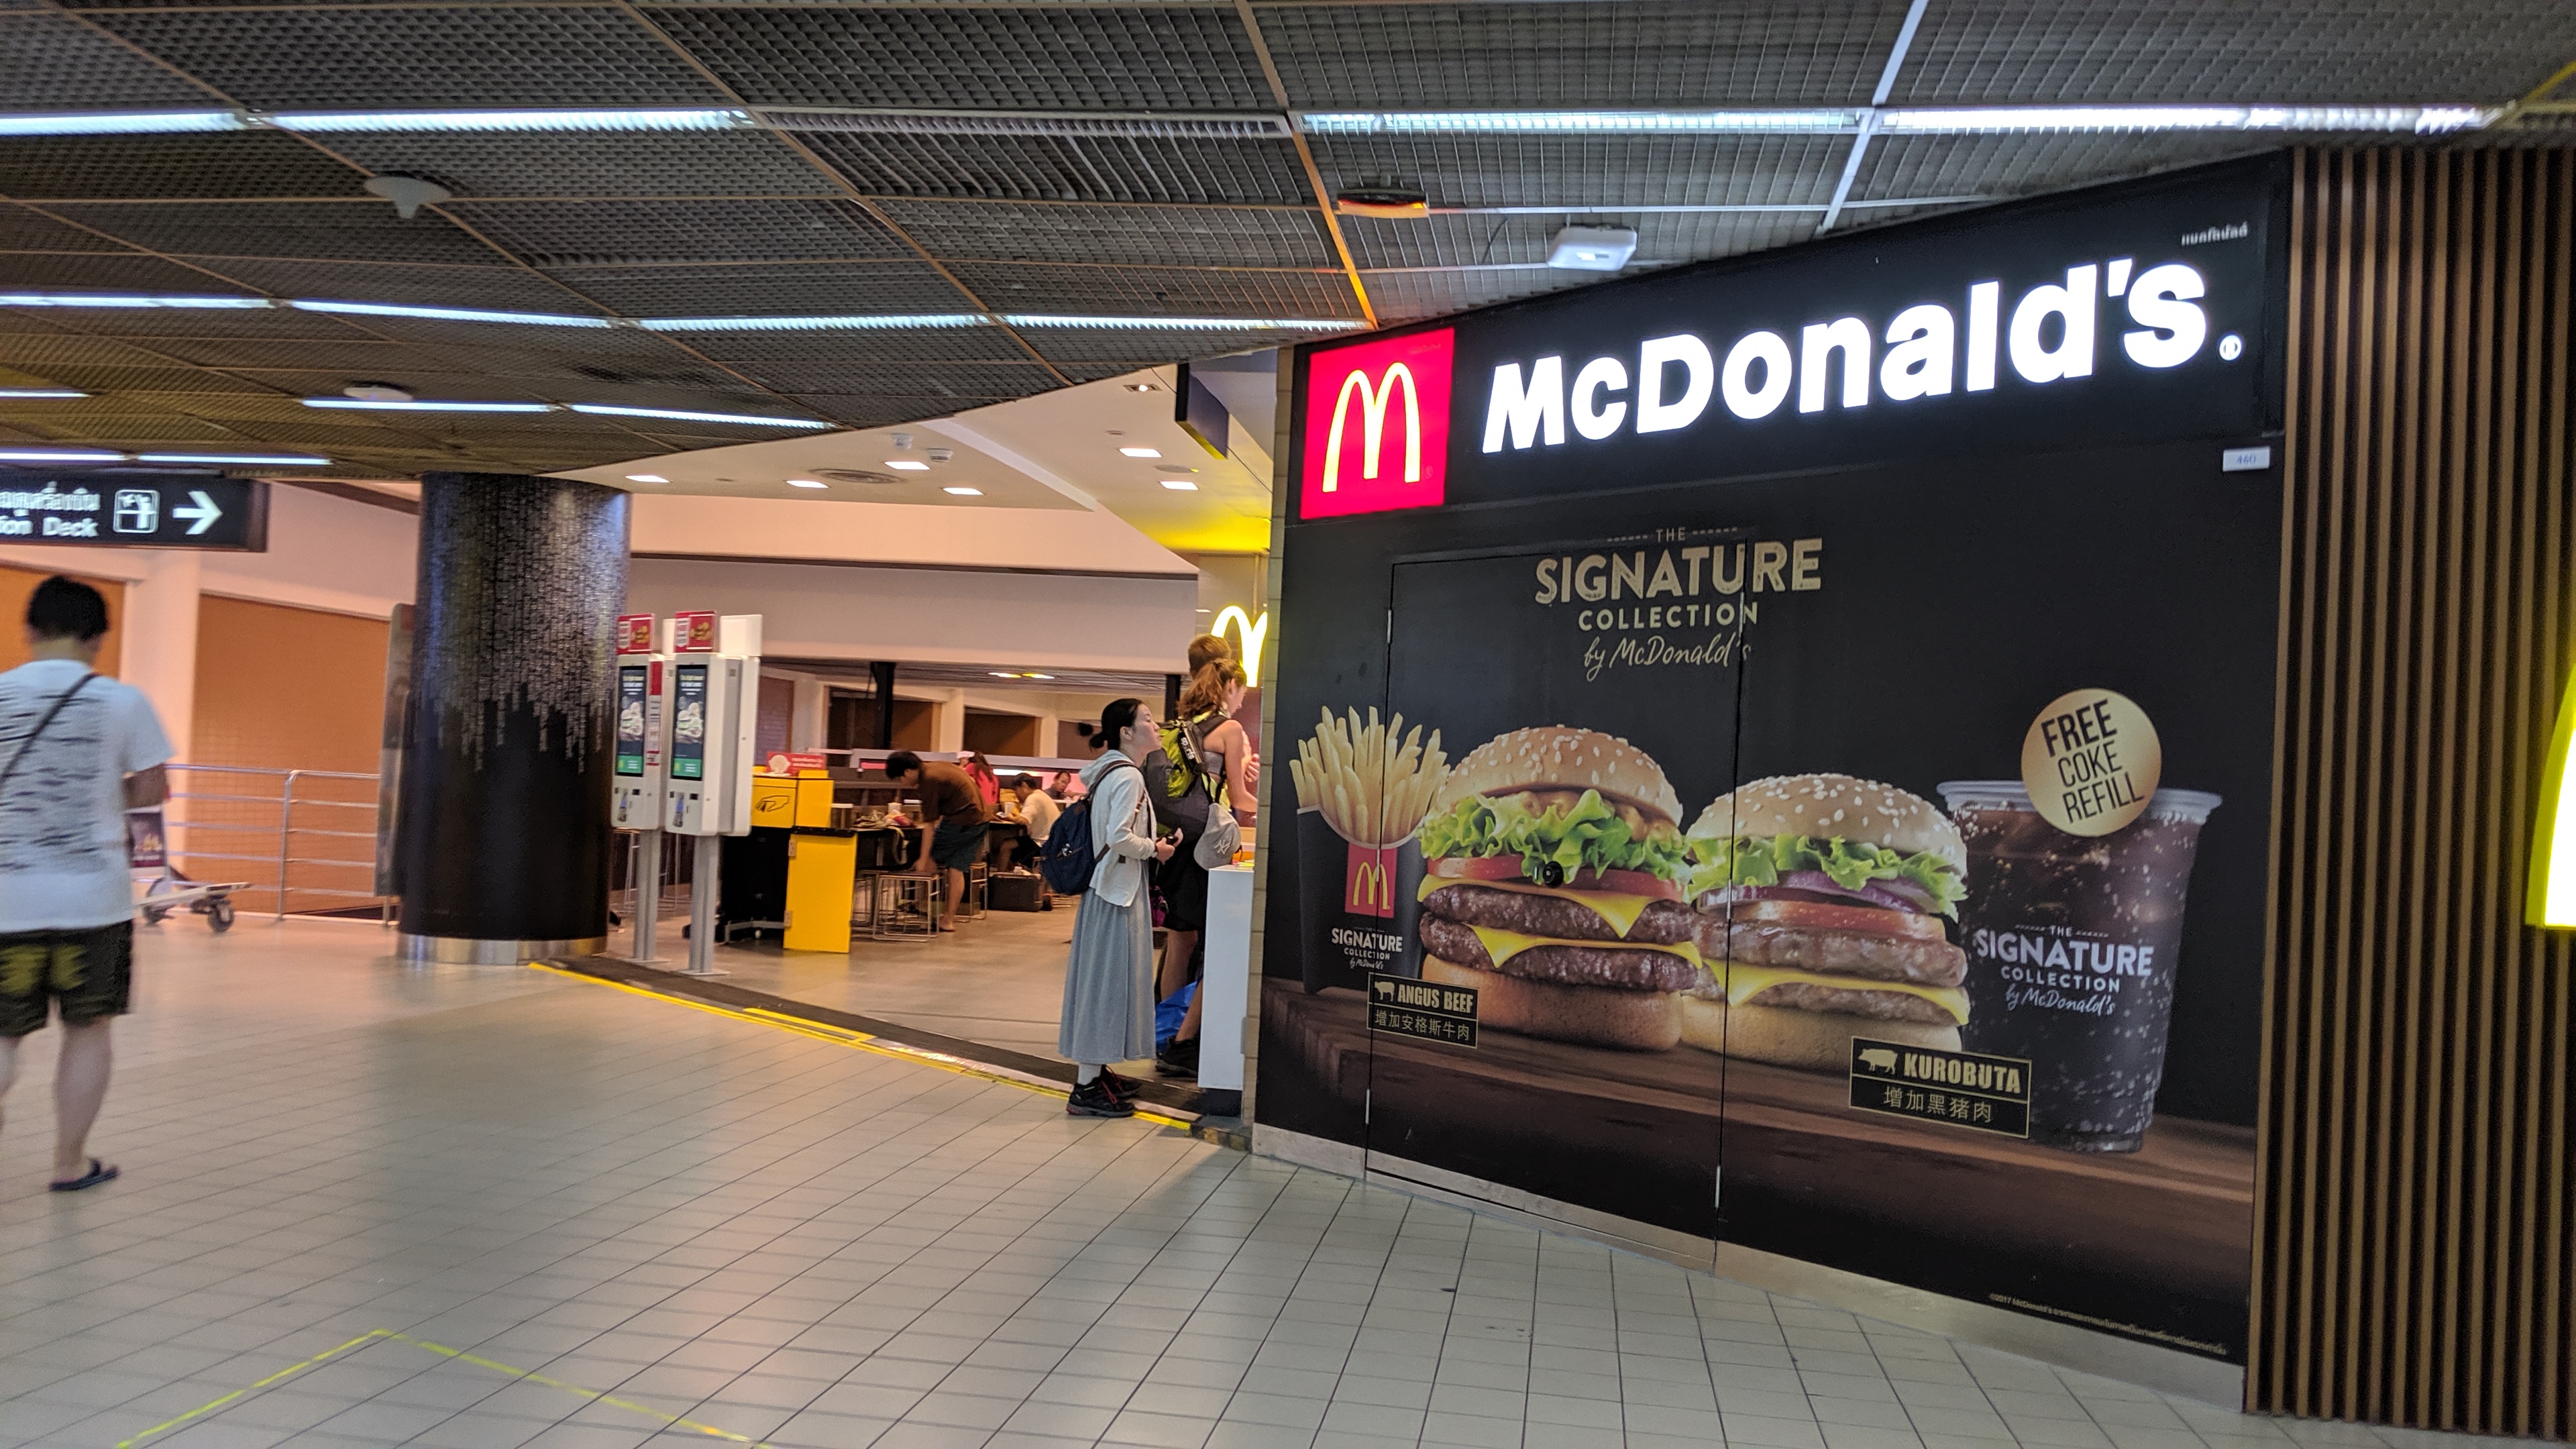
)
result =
(1372, 781)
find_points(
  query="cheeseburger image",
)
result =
(1820, 901)
(1552, 866)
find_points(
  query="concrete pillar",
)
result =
(159, 651)
(1047, 730)
(502, 837)
(948, 721)
(809, 723)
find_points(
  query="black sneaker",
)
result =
(1094, 1099)
(1120, 1086)
(1180, 1059)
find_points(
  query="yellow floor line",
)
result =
(857, 1040)
(389, 1336)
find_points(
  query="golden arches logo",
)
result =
(1250, 633)
(1374, 400)
(1371, 894)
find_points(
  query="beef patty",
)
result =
(1566, 965)
(1662, 923)
(1920, 960)
(1856, 1001)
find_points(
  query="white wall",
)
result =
(1033, 621)
(795, 528)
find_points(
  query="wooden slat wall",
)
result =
(2413, 1244)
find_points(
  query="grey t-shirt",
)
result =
(62, 812)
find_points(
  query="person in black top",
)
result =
(952, 821)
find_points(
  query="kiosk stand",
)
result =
(715, 679)
(635, 801)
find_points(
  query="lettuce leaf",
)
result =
(1750, 860)
(1590, 834)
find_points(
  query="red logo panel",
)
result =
(1377, 426)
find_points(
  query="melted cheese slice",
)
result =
(1619, 908)
(1504, 945)
(1745, 982)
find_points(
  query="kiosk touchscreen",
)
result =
(713, 712)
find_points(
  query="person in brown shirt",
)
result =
(953, 821)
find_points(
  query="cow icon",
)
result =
(1878, 1059)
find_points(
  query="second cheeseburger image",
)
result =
(1553, 860)
(1820, 902)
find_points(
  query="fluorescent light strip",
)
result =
(58, 455)
(120, 123)
(682, 415)
(1600, 123)
(861, 323)
(1185, 324)
(32, 392)
(127, 299)
(359, 404)
(449, 314)
(1963, 120)
(636, 120)
(283, 460)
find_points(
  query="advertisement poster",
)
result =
(632, 698)
(1838, 830)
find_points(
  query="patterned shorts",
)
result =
(89, 971)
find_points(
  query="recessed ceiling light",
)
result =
(807, 483)
(58, 455)
(1142, 452)
(646, 478)
(1034, 675)
(35, 392)
(964, 492)
(1003, 673)
(908, 465)
(283, 460)
(1181, 485)
(409, 405)
(1140, 387)
(686, 416)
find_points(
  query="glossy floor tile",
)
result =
(369, 1204)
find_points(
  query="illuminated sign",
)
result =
(1249, 636)
(1377, 426)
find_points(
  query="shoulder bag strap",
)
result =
(28, 743)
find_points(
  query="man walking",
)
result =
(76, 751)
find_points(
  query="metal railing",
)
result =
(225, 803)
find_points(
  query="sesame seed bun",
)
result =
(1560, 757)
(1863, 812)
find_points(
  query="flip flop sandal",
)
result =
(98, 1172)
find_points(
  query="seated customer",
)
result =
(952, 821)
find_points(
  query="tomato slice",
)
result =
(1816, 915)
(1507, 868)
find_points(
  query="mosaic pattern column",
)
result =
(502, 838)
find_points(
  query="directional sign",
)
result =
(133, 507)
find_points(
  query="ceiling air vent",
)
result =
(855, 475)
(1256, 127)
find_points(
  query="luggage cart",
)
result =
(171, 891)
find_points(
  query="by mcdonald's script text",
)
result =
(1674, 602)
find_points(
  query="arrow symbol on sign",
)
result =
(202, 509)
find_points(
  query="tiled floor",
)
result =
(504, 1207)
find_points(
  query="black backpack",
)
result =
(1069, 856)
(1177, 779)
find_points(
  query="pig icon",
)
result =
(1878, 1059)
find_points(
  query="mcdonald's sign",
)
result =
(1377, 426)
(1368, 886)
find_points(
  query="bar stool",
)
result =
(906, 907)
(979, 891)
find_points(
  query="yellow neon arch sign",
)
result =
(2552, 898)
(1249, 634)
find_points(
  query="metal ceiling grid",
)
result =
(1479, 240)
(352, 354)
(1165, 58)
(626, 233)
(104, 271)
(41, 352)
(165, 378)
(375, 57)
(1126, 352)
(494, 285)
(2016, 165)
(1612, 53)
(948, 379)
(1088, 168)
(2229, 50)
(1606, 171)
(876, 410)
(1156, 292)
(1201, 236)
(142, 325)
(24, 229)
(1410, 296)
(133, 430)
(947, 344)
(804, 289)
(254, 163)
(53, 62)
(280, 229)
(587, 163)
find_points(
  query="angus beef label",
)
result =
(1958, 1089)
(1409, 1007)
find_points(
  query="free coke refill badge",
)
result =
(1377, 426)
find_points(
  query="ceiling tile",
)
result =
(964, 58)
(380, 57)
(1160, 292)
(568, 233)
(1483, 241)
(2002, 166)
(1626, 171)
(1168, 235)
(669, 163)
(1046, 168)
(365, 230)
(804, 289)
(50, 61)
(248, 163)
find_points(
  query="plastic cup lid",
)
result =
(2168, 804)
